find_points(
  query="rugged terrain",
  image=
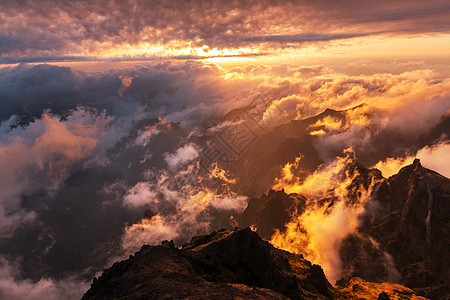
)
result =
(268, 149)
(404, 228)
(229, 264)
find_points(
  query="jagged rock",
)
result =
(411, 224)
(222, 265)
(403, 235)
(270, 211)
(228, 264)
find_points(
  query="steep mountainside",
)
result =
(260, 163)
(257, 153)
(229, 264)
(403, 233)
(412, 224)
(225, 264)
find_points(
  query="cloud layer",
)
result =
(98, 163)
(125, 29)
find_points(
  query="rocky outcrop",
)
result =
(223, 265)
(229, 264)
(410, 222)
(358, 288)
(271, 211)
(403, 234)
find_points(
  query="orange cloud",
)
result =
(435, 157)
(151, 29)
(43, 152)
(318, 231)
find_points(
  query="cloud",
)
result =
(76, 28)
(391, 166)
(181, 156)
(299, 38)
(139, 195)
(183, 206)
(435, 157)
(73, 143)
(190, 93)
(13, 288)
(329, 216)
(317, 184)
(389, 122)
(41, 156)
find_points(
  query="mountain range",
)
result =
(399, 232)
(228, 264)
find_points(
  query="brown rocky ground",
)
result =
(229, 264)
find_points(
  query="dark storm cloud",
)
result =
(37, 59)
(162, 89)
(69, 28)
(156, 58)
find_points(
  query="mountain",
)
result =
(260, 163)
(402, 233)
(404, 228)
(227, 264)
(255, 153)
(411, 223)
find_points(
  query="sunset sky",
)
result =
(229, 31)
(105, 106)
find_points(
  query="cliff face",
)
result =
(271, 211)
(403, 234)
(411, 223)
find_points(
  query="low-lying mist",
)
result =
(97, 164)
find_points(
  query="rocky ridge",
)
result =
(229, 264)
(404, 228)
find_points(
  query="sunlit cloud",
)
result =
(111, 156)
(75, 30)
(319, 230)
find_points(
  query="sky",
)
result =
(48, 31)
(109, 108)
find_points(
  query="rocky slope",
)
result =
(411, 222)
(229, 264)
(403, 233)
(256, 155)
(225, 264)
(358, 288)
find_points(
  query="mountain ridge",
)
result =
(226, 264)
(406, 218)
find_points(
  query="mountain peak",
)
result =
(224, 264)
(227, 264)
